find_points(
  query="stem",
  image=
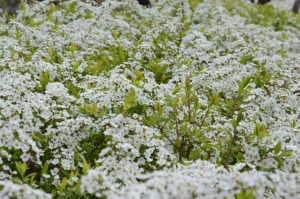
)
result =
(188, 152)
(189, 106)
(230, 151)
(203, 120)
(172, 143)
(229, 115)
(177, 129)
(181, 148)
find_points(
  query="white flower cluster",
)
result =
(11, 190)
(122, 161)
(98, 96)
(204, 180)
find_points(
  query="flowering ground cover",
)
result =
(185, 99)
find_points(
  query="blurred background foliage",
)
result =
(11, 6)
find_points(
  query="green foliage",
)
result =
(246, 59)
(277, 148)
(89, 109)
(130, 100)
(262, 77)
(53, 57)
(22, 167)
(44, 80)
(245, 194)
(104, 60)
(92, 146)
(186, 118)
(188, 130)
(71, 8)
(86, 166)
(72, 89)
(194, 3)
(88, 14)
(260, 132)
(264, 15)
(160, 71)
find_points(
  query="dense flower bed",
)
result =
(180, 100)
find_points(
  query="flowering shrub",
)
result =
(180, 100)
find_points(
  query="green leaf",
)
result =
(45, 167)
(248, 194)
(50, 52)
(76, 65)
(21, 168)
(169, 101)
(242, 84)
(71, 8)
(115, 35)
(260, 131)
(85, 167)
(90, 109)
(88, 14)
(239, 116)
(239, 195)
(45, 78)
(32, 176)
(130, 100)
(196, 154)
(207, 146)
(159, 109)
(214, 100)
(176, 102)
(203, 139)
(176, 90)
(277, 148)
(286, 153)
(73, 47)
(188, 83)
(279, 160)
(234, 124)
(263, 133)
(53, 193)
(284, 36)
(63, 184)
(139, 75)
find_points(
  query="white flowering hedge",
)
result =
(181, 100)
